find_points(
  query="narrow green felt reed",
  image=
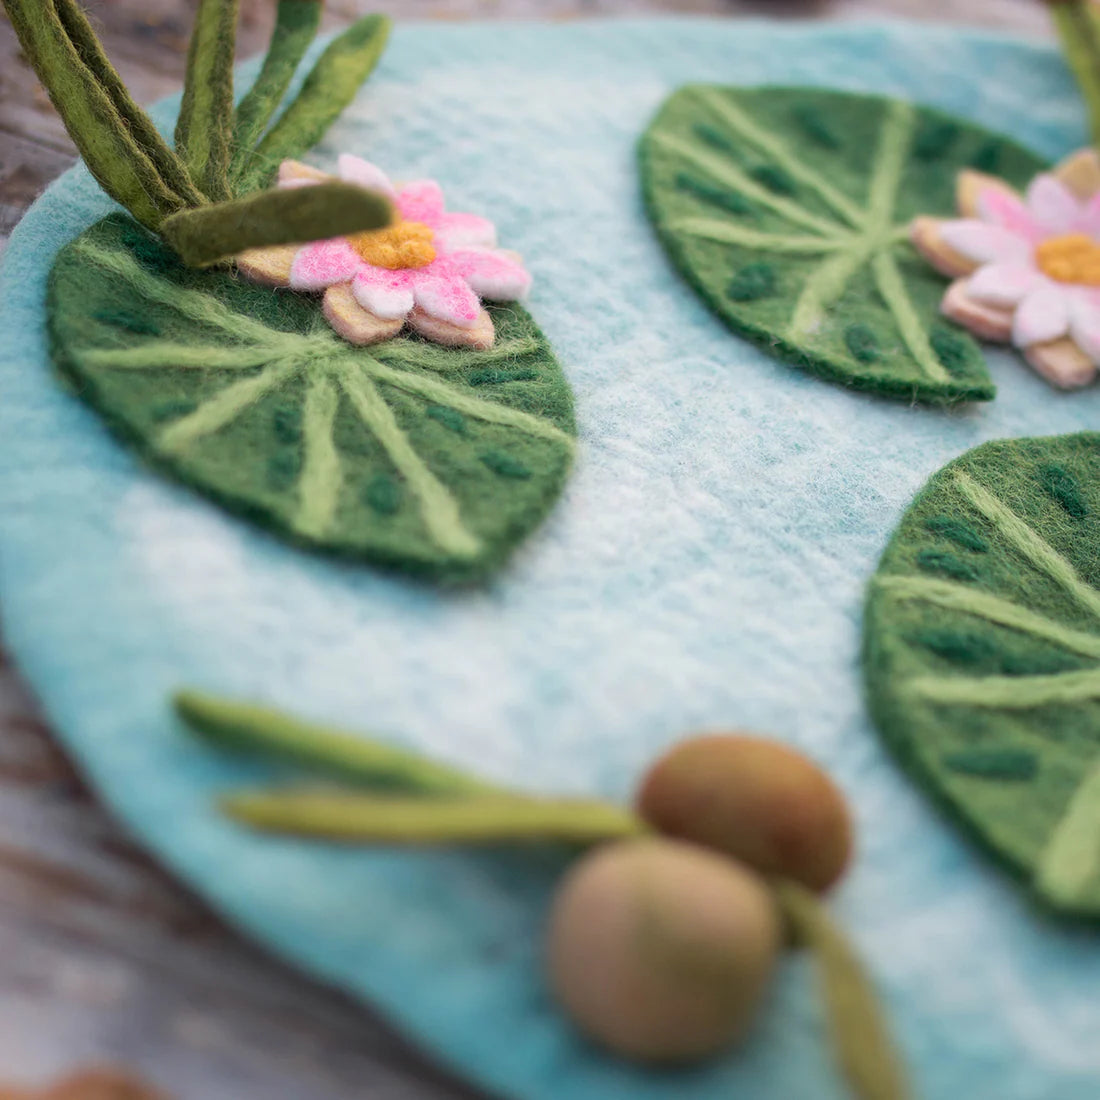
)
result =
(1078, 26)
(334, 753)
(329, 88)
(205, 126)
(206, 234)
(856, 1021)
(295, 27)
(367, 819)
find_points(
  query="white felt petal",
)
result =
(385, 296)
(362, 172)
(1084, 324)
(1043, 316)
(1004, 284)
(1053, 206)
(983, 242)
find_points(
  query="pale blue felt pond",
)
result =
(704, 568)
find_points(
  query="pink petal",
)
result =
(1090, 218)
(1053, 205)
(984, 242)
(492, 275)
(448, 298)
(387, 294)
(324, 263)
(1042, 316)
(1005, 284)
(1000, 207)
(1084, 325)
(362, 172)
(421, 201)
(464, 231)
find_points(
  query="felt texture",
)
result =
(706, 569)
(247, 394)
(815, 266)
(982, 651)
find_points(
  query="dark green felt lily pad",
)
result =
(434, 460)
(982, 654)
(787, 209)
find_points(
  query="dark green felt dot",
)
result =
(962, 646)
(862, 343)
(934, 138)
(283, 468)
(774, 178)
(943, 561)
(505, 466)
(172, 410)
(754, 281)
(383, 495)
(713, 136)
(958, 532)
(815, 126)
(1060, 485)
(951, 350)
(1005, 764)
(128, 319)
(716, 196)
(493, 376)
(449, 418)
(988, 157)
(286, 421)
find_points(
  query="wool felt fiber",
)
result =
(705, 569)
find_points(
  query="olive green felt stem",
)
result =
(365, 819)
(1078, 26)
(208, 234)
(860, 1038)
(246, 727)
(140, 125)
(295, 27)
(327, 90)
(205, 125)
(113, 154)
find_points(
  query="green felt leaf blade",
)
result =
(213, 232)
(982, 655)
(787, 210)
(434, 461)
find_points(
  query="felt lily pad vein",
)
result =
(788, 210)
(982, 655)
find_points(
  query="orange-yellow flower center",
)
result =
(1073, 258)
(407, 244)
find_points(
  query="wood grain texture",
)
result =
(102, 957)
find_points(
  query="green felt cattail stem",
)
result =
(334, 753)
(327, 90)
(860, 1038)
(1078, 26)
(295, 27)
(367, 819)
(112, 152)
(205, 126)
(207, 234)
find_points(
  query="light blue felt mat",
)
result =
(705, 568)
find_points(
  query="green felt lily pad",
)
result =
(982, 654)
(434, 460)
(787, 209)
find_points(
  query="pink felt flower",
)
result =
(1026, 267)
(430, 270)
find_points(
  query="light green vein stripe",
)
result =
(1008, 692)
(446, 394)
(993, 609)
(894, 138)
(213, 415)
(734, 117)
(1029, 542)
(728, 173)
(823, 289)
(896, 297)
(438, 509)
(319, 485)
(161, 355)
(726, 232)
(1069, 869)
(403, 351)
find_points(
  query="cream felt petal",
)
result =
(926, 237)
(1003, 284)
(982, 242)
(323, 264)
(267, 266)
(986, 321)
(1062, 363)
(480, 335)
(1042, 316)
(1053, 206)
(356, 170)
(294, 173)
(969, 184)
(354, 323)
(387, 294)
(1080, 173)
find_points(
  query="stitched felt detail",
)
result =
(787, 210)
(246, 393)
(982, 654)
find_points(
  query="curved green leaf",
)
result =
(432, 460)
(982, 654)
(787, 209)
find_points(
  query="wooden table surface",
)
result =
(102, 957)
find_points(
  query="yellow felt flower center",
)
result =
(1073, 258)
(407, 244)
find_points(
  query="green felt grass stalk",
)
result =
(1078, 26)
(295, 27)
(329, 88)
(205, 127)
(207, 234)
(856, 1021)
